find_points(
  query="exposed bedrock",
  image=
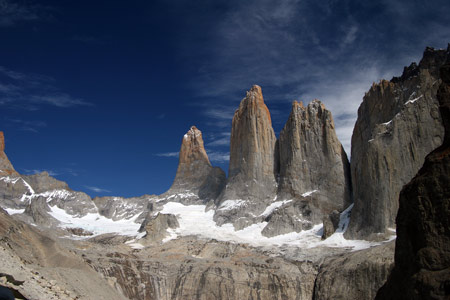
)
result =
(398, 125)
(313, 159)
(196, 179)
(422, 253)
(356, 275)
(189, 268)
(252, 170)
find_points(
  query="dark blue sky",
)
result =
(100, 93)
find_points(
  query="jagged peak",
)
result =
(193, 132)
(192, 147)
(253, 101)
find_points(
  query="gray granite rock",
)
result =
(398, 125)
(422, 253)
(356, 275)
(43, 182)
(313, 159)
(252, 170)
(330, 224)
(156, 227)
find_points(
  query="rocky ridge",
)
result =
(398, 125)
(151, 266)
(422, 253)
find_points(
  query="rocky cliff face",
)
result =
(312, 160)
(6, 167)
(252, 170)
(190, 268)
(422, 254)
(354, 276)
(398, 125)
(195, 179)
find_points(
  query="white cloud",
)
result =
(97, 189)
(168, 154)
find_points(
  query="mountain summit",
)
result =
(195, 174)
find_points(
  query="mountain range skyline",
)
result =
(100, 94)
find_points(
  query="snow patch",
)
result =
(194, 220)
(413, 100)
(8, 179)
(231, 204)
(28, 186)
(12, 211)
(269, 209)
(309, 193)
(96, 223)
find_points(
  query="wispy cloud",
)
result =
(31, 91)
(26, 125)
(218, 157)
(168, 154)
(97, 189)
(13, 12)
(331, 50)
(223, 139)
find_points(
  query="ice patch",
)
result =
(194, 220)
(269, 209)
(308, 193)
(231, 204)
(96, 223)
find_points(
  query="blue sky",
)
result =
(100, 93)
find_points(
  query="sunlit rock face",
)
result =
(252, 169)
(196, 180)
(313, 159)
(6, 167)
(398, 125)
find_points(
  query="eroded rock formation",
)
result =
(313, 159)
(252, 170)
(422, 253)
(195, 179)
(398, 125)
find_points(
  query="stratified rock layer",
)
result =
(422, 253)
(252, 172)
(195, 175)
(313, 159)
(189, 268)
(398, 125)
(356, 275)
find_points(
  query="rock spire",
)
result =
(195, 175)
(252, 169)
(312, 160)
